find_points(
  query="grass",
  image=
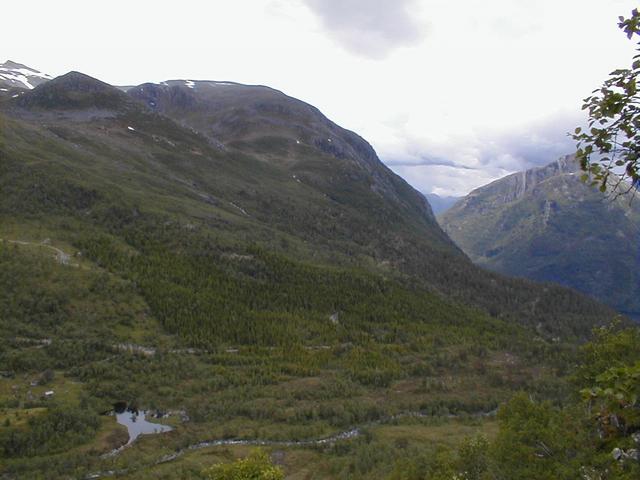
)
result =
(66, 390)
(19, 416)
(111, 435)
(321, 463)
(435, 432)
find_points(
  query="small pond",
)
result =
(137, 424)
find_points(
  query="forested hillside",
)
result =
(227, 256)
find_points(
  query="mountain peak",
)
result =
(17, 75)
(79, 81)
(567, 164)
(75, 90)
(12, 64)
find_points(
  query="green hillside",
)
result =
(251, 286)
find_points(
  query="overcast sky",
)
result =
(452, 94)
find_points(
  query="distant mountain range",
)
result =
(547, 225)
(440, 204)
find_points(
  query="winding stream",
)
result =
(345, 435)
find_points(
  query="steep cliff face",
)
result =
(516, 186)
(546, 224)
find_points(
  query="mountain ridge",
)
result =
(236, 154)
(546, 224)
(247, 116)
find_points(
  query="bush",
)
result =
(257, 466)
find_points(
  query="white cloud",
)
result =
(448, 181)
(372, 28)
(458, 163)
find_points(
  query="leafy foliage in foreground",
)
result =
(612, 143)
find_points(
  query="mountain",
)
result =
(440, 204)
(15, 75)
(75, 91)
(228, 259)
(546, 224)
(279, 129)
(247, 163)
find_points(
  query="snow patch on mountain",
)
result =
(16, 75)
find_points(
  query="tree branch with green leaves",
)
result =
(609, 150)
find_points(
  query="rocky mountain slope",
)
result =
(17, 76)
(547, 225)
